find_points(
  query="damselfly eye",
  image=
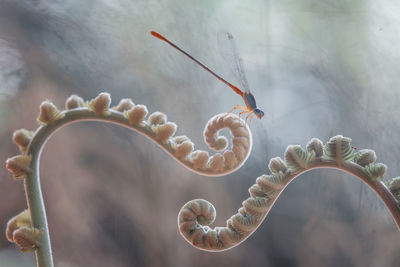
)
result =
(259, 113)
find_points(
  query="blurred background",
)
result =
(316, 68)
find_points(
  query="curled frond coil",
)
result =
(27, 238)
(277, 165)
(20, 232)
(22, 138)
(49, 113)
(157, 118)
(375, 170)
(74, 101)
(195, 216)
(19, 220)
(317, 146)
(124, 104)
(338, 149)
(241, 143)
(100, 104)
(297, 158)
(365, 157)
(19, 166)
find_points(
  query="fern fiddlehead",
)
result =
(196, 215)
(129, 115)
(29, 228)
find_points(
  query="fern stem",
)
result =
(263, 196)
(32, 182)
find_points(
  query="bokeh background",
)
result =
(316, 68)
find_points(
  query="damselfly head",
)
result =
(259, 113)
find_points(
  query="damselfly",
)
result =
(247, 96)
